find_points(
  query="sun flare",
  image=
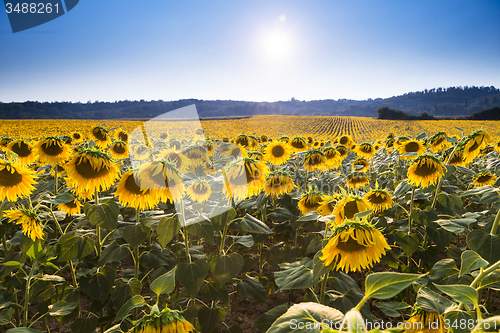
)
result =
(276, 45)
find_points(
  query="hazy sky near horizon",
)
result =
(251, 50)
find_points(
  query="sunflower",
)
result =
(310, 201)
(457, 158)
(140, 153)
(263, 138)
(196, 154)
(101, 136)
(342, 151)
(167, 320)
(328, 204)
(333, 160)
(5, 141)
(399, 141)
(345, 140)
(76, 136)
(298, 144)
(366, 150)
(474, 143)
(180, 161)
(121, 135)
(497, 146)
(360, 165)
(425, 322)
(118, 150)
(410, 146)
(277, 153)
(379, 200)
(225, 139)
(389, 143)
(52, 150)
(81, 194)
(278, 183)
(487, 150)
(357, 180)
(91, 170)
(316, 145)
(32, 226)
(484, 178)
(234, 150)
(389, 136)
(199, 191)
(438, 142)
(244, 178)
(164, 177)
(425, 170)
(348, 207)
(315, 160)
(254, 142)
(242, 140)
(132, 195)
(175, 145)
(26, 153)
(256, 155)
(354, 246)
(284, 139)
(15, 181)
(71, 207)
(163, 136)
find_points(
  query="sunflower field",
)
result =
(265, 224)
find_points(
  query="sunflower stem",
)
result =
(323, 288)
(136, 258)
(56, 178)
(97, 228)
(494, 228)
(411, 210)
(27, 293)
(4, 245)
(56, 222)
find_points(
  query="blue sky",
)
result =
(251, 50)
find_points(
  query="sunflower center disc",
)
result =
(343, 140)
(132, 186)
(412, 147)
(297, 144)
(438, 141)
(424, 170)
(200, 189)
(119, 149)
(366, 149)
(351, 245)
(278, 151)
(71, 204)
(76, 136)
(52, 149)
(100, 135)
(483, 179)
(350, 209)
(85, 169)
(123, 136)
(21, 149)
(377, 198)
(236, 152)
(311, 202)
(8, 179)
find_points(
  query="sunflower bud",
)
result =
(353, 323)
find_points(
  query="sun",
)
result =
(276, 45)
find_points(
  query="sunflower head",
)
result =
(199, 191)
(132, 195)
(487, 150)
(278, 183)
(52, 150)
(256, 155)
(196, 154)
(284, 139)
(263, 138)
(474, 143)
(180, 161)
(353, 246)
(425, 170)
(163, 177)
(234, 150)
(244, 178)
(315, 160)
(457, 158)
(119, 149)
(277, 152)
(328, 204)
(379, 200)
(333, 160)
(101, 136)
(76, 136)
(165, 321)
(345, 140)
(411, 146)
(15, 181)
(343, 151)
(4, 141)
(310, 201)
(484, 178)
(26, 153)
(347, 207)
(71, 207)
(365, 150)
(357, 180)
(242, 140)
(32, 226)
(298, 144)
(175, 145)
(438, 142)
(122, 135)
(423, 321)
(361, 165)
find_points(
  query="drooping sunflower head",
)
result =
(284, 139)
(263, 138)
(161, 176)
(163, 136)
(196, 154)
(333, 160)
(167, 320)
(119, 149)
(484, 178)
(310, 201)
(71, 207)
(354, 246)
(411, 146)
(347, 207)
(130, 194)
(140, 152)
(5, 141)
(256, 155)
(180, 161)
(379, 200)
(345, 140)
(487, 150)
(121, 135)
(365, 150)
(357, 180)
(474, 143)
(389, 143)
(361, 165)
(32, 226)
(234, 150)
(244, 178)
(278, 183)
(315, 160)
(15, 181)
(298, 144)
(175, 145)
(26, 153)
(497, 146)
(389, 136)
(92, 170)
(199, 191)
(343, 151)
(76, 137)
(52, 150)
(101, 136)
(254, 142)
(310, 140)
(328, 204)
(242, 140)
(277, 153)
(425, 170)
(225, 139)
(423, 321)
(457, 158)
(438, 142)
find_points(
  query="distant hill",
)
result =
(439, 102)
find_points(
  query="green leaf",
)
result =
(409, 243)
(252, 225)
(296, 275)
(36, 250)
(61, 308)
(439, 236)
(450, 201)
(84, 325)
(135, 302)
(463, 294)
(250, 287)
(350, 295)
(11, 264)
(221, 216)
(98, 285)
(308, 314)
(424, 217)
(134, 235)
(165, 283)
(104, 215)
(491, 281)
(470, 262)
(113, 252)
(267, 319)
(454, 318)
(387, 285)
(210, 318)
(246, 240)
(392, 309)
(168, 227)
(478, 190)
(280, 214)
(215, 292)
(5, 316)
(227, 266)
(486, 245)
(430, 301)
(363, 214)
(62, 198)
(22, 330)
(203, 229)
(122, 292)
(53, 278)
(72, 246)
(192, 275)
(401, 189)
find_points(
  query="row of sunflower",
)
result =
(395, 205)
